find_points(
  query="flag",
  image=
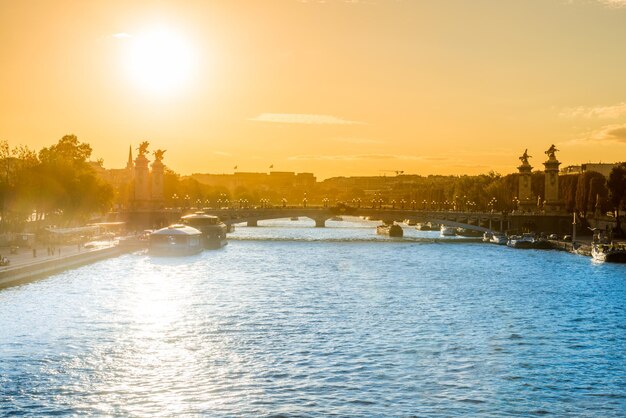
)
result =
(235, 167)
(272, 166)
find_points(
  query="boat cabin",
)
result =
(175, 240)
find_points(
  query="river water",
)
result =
(291, 320)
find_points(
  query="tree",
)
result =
(567, 186)
(617, 190)
(67, 150)
(68, 183)
(590, 184)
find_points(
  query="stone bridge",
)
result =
(477, 221)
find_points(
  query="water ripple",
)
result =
(333, 324)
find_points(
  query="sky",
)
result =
(335, 87)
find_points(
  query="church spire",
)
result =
(129, 164)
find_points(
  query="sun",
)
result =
(161, 61)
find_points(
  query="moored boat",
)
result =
(524, 241)
(213, 230)
(426, 226)
(410, 222)
(176, 240)
(464, 232)
(447, 231)
(499, 239)
(392, 230)
(608, 253)
(487, 236)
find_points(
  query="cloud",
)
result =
(614, 132)
(122, 35)
(355, 157)
(222, 153)
(615, 4)
(602, 112)
(302, 118)
(606, 135)
(358, 141)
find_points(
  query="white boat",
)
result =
(463, 232)
(392, 230)
(608, 253)
(521, 241)
(447, 231)
(487, 236)
(176, 240)
(213, 230)
(425, 226)
(498, 238)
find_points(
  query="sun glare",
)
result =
(161, 61)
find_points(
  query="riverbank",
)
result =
(579, 247)
(24, 269)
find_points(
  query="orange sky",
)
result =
(335, 88)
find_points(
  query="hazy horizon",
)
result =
(333, 88)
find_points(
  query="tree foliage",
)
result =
(57, 185)
(617, 186)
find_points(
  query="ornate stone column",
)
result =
(142, 177)
(524, 192)
(552, 201)
(157, 179)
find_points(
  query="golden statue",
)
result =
(158, 154)
(143, 148)
(551, 152)
(524, 158)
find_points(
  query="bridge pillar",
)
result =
(320, 223)
(252, 223)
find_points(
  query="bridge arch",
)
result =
(467, 220)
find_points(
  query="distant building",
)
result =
(602, 168)
(282, 182)
(571, 169)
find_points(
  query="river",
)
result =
(291, 320)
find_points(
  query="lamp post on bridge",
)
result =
(175, 200)
(413, 205)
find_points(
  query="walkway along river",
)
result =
(290, 319)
